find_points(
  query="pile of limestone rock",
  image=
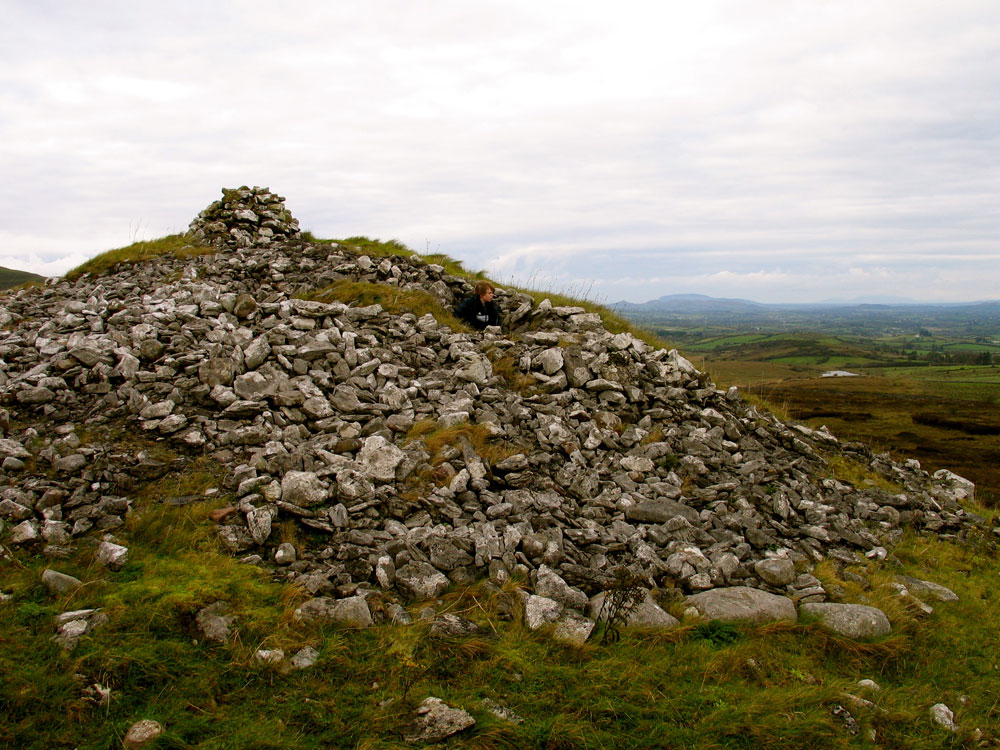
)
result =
(245, 217)
(568, 451)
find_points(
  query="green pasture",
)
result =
(704, 685)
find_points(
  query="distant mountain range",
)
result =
(695, 303)
(10, 278)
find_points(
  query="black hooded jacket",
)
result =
(477, 314)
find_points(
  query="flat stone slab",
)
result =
(662, 510)
(742, 603)
(435, 720)
(857, 621)
(352, 611)
(927, 589)
(648, 614)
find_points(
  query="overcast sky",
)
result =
(784, 150)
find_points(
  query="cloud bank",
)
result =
(785, 152)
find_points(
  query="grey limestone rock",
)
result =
(435, 720)
(927, 589)
(776, 571)
(550, 585)
(59, 583)
(661, 510)
(303, 488)
(113, 556)
(305, 658)
(573, 628)
(72, 626)
(448, 625)
(540, 610)
(378, 459)
(943, 716)
(421, 581)
(857, 621)
(647, 614)
(352, 611)
(142, 733)
(214, 622)
(742, 603)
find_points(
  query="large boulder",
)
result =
(647, 614)
(352, 611)
(742, 603)
(421, 581)
(857, 621)
(303, 488)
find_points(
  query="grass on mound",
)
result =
(178, 245)
(855, 473)
(392, 299)
(612, 322)
(364, 245)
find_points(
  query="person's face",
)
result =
(487, 296)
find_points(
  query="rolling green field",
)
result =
(933, 398)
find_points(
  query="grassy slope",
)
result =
(10, 278)
(752, 687)
(773, 686)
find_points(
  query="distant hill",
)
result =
(690, 303)
(10, 278)
(704, 303)
(857, 318)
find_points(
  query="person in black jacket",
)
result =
(480, 310)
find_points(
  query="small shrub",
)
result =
(623, 593)
(717, 633)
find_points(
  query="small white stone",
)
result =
(285, 554)
(142, 733)
(943, 716)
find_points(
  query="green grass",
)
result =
(711, 686)
(179, 245)
(11, 278)
(392, 299)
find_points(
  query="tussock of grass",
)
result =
(612, 322)
(507, 369)
(179, 245)
(436, 438)
(372, 248)
(852, 472)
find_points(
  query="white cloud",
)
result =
(640, 146)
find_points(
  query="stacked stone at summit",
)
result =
(245, 217)
(614, 452)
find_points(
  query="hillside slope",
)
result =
(10, 278)
(374, 458)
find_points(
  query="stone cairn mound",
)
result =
(612, 453)
(245, 217)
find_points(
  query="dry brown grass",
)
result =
(436, 438)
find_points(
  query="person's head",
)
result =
(485, 291)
